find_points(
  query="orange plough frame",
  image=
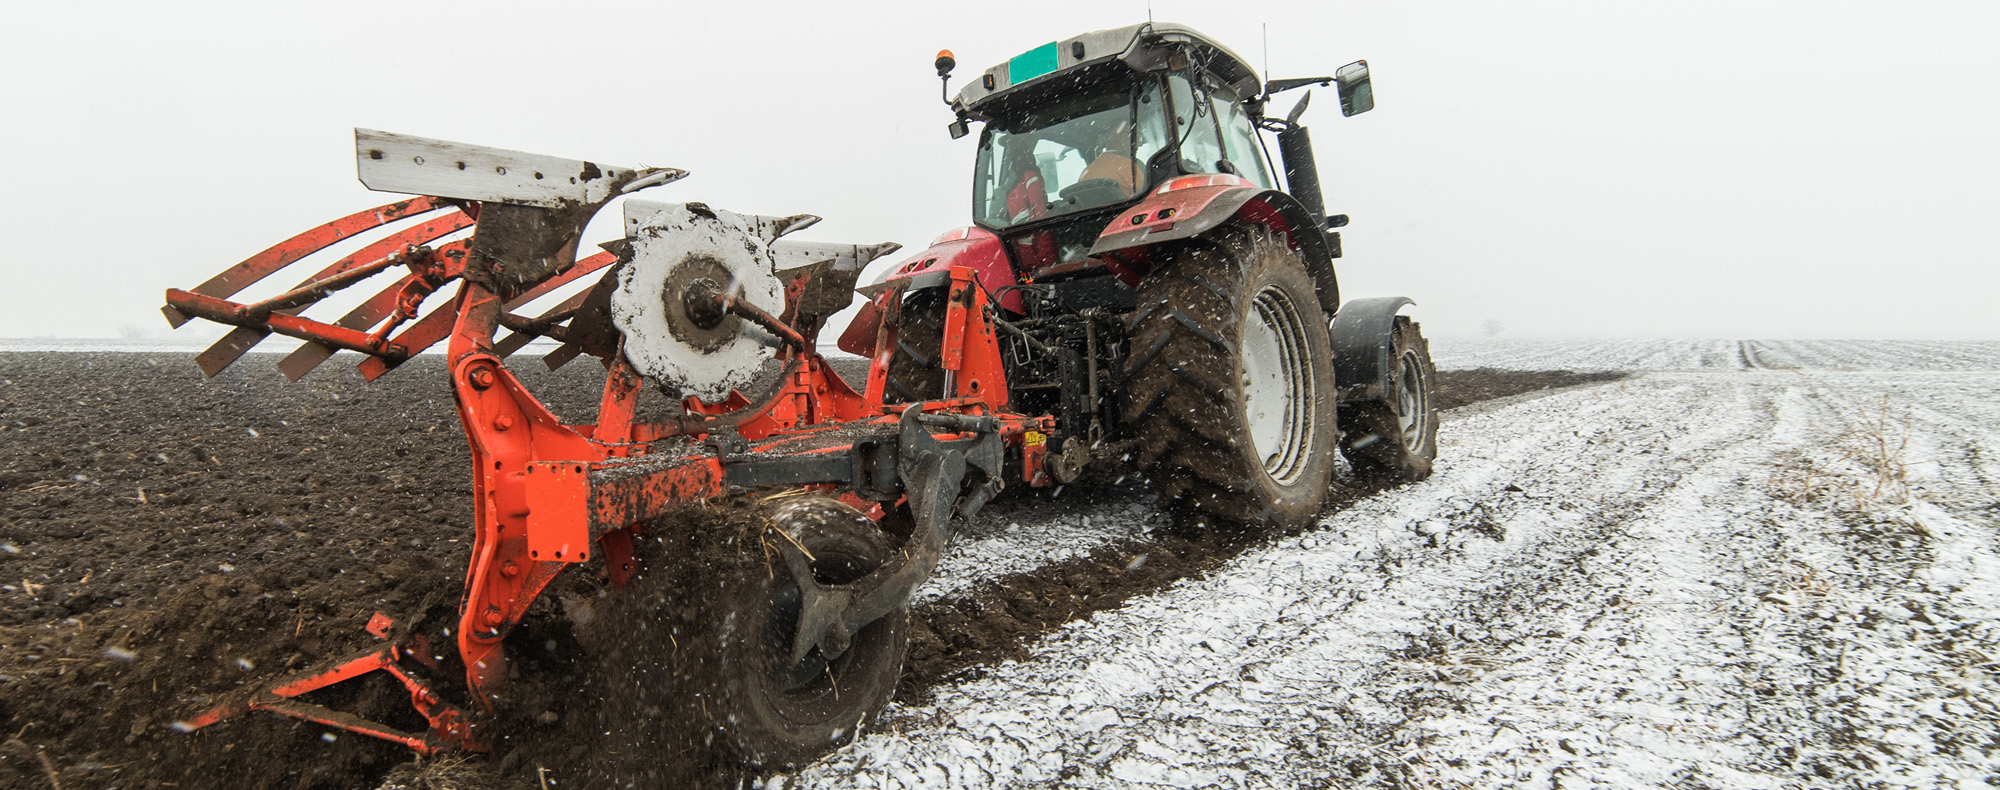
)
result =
(550, 495)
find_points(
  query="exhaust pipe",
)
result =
(1301, 172)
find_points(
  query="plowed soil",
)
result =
(167, 541)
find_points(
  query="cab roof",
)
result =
(1142, 47)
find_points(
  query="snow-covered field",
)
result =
(1464, 354)
(1720, 573)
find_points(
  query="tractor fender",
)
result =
(1175, 212)
(974, 248)
(977, 249)
(1362, 347)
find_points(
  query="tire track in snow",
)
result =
(1515, 354)
(1648, 691)
(1511, 354)
(1752, 644)
(1892, 354)
(1551, 608)
(1123, 699)
(1630, 630)
(1003, 587)
(1911, 603)
(1100, 519)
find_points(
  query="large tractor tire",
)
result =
(1395, 440)
(916, 370)
(1230, 384)
(776, 712)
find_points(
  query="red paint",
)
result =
(974, 248)
(240, 340)
(1175, 200)
(542, 501)
(1260, 212)
(289, 251)
(971, 349)
(859, 336)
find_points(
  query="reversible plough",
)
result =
(693, 297)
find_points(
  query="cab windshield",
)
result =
(1081, 151)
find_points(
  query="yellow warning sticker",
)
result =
(1035, 438)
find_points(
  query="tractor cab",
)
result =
(1099, 151)
(1078, 130)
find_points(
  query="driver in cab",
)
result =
(1120, 168)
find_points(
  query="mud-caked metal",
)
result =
(695, 300)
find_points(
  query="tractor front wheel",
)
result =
(1231, 392)
(1395, 440)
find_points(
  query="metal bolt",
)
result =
(481, 378)
(503, 422)
(493, 615)
(509, 569)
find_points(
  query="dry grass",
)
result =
(1858, 472)
(1456, 666)
(1800, 583)
(441, 772)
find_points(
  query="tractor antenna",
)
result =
(1149, 12)
(1267, 50)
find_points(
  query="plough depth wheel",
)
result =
(777, 710)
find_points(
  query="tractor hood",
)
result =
(1141, 47)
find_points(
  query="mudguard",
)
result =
(1362, 347)
(973, 248)
(1190, 206)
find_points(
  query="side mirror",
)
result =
(1356, 94)
(958, 128)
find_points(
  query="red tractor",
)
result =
(1157, 293)
(1136, 289)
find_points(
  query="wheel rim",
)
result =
(1413, 413)
(1278, 385)
(836, 559)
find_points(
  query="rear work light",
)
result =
(1202, 180)
(956, 234)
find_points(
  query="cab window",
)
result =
(1080, 151)
(1239, 141)
(1194, 121)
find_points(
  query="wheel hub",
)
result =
(702, 303)
(664, 305)
(1278, 385)
(1412, 413)
(836, 538)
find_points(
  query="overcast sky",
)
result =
(1587, 168)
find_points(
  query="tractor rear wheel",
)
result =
(777, 712)
(1395, 440)
(1230, 383)
(916, 370)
